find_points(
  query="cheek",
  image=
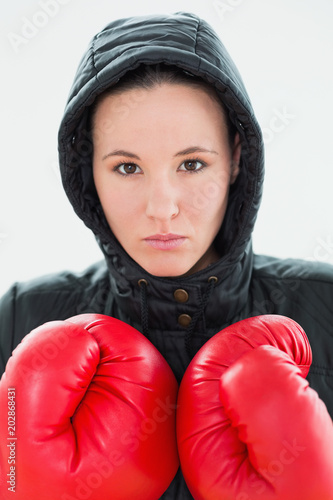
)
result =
(123, 209)
(208, 200)
(120, 209)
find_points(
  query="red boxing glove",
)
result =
(249, 427)
(87, 411)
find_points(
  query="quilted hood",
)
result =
(186, 41)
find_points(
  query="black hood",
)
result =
(186, 41)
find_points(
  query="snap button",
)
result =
(184, 320)
(180, 295)
(142, 281)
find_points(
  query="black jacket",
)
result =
(246, 285)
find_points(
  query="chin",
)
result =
(167, 273)
(166, 270)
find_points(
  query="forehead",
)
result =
(173, 108)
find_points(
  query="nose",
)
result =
(162, 200)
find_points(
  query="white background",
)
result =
(283, 49)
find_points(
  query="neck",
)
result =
(208, 258)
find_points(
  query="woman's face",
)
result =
(162, 167)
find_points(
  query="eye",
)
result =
(191, 166)
(127, 169)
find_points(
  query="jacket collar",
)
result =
(169, 299)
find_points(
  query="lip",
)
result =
(165, 241)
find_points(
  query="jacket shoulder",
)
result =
(282, 269)
(300, 289)
(27, 305)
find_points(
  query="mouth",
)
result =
(165, 241)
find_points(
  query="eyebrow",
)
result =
(184, 152)
(121, 152)
(195, 149)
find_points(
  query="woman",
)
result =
(162, 158)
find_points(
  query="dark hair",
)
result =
(148, 76)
